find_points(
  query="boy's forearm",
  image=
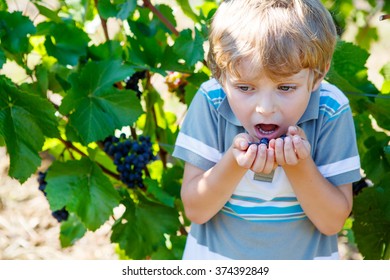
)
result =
(326, 205)
(205, 194)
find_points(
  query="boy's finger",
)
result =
(260, 160)
(301, 149)
(241, 144)
(245, 158)
(269, 164)
(241, 141)
(296, 130)
(279, 151)
(289, 152)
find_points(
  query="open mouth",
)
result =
(267, 130)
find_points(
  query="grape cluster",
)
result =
(59, 215)
(130, 157)
(132, 82)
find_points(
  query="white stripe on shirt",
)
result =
(339, 167)
(198, 147)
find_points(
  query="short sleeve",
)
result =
(336, 153)
(197, 141)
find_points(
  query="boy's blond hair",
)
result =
(279, 37)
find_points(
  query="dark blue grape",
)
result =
(60, 215)
(41, 181)
(130, 157)
(132, 82)
(264, 141)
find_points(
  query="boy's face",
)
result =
(267, 108)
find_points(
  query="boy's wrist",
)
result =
(302, 166)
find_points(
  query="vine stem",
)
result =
(151, 7)
(104, 23)
(163, 19)
(69, 145)
(162, 152)
(383, 17)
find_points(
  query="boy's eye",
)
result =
(244, 88)
(287, 88)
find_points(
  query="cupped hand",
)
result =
(252, 156)
(293, 148)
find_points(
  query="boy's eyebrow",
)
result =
(300, 75)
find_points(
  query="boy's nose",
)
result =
(265, 104)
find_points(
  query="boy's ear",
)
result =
(320, 79)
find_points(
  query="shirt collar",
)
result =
(313, 108)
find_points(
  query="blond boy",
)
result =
(287, 199)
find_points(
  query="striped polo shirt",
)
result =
(263, 218)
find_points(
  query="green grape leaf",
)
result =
(108, 50)
(185, 52)
(380, 111)
(342, 82)
(385, 71)
(120, 9)
(81, 11)
(386, 149)
(83, 189)
(71, 231)
(57, 75)
(147, 26)
(386, 6)
(3, 5)
(188, 48)
(194, 82)
(374, 160)
(144, 54)
(95, 107)
(14, 31)
(175, 252)
(158, 193)
(366, 36)
(50, 14)
(371, 224)
(3, 58)
(140, 231)
(171, 180)
(187, 9)
(349, 63)
(64, 41)
(25, 118)
(386, 87)
(148, 33)
(42, 79)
